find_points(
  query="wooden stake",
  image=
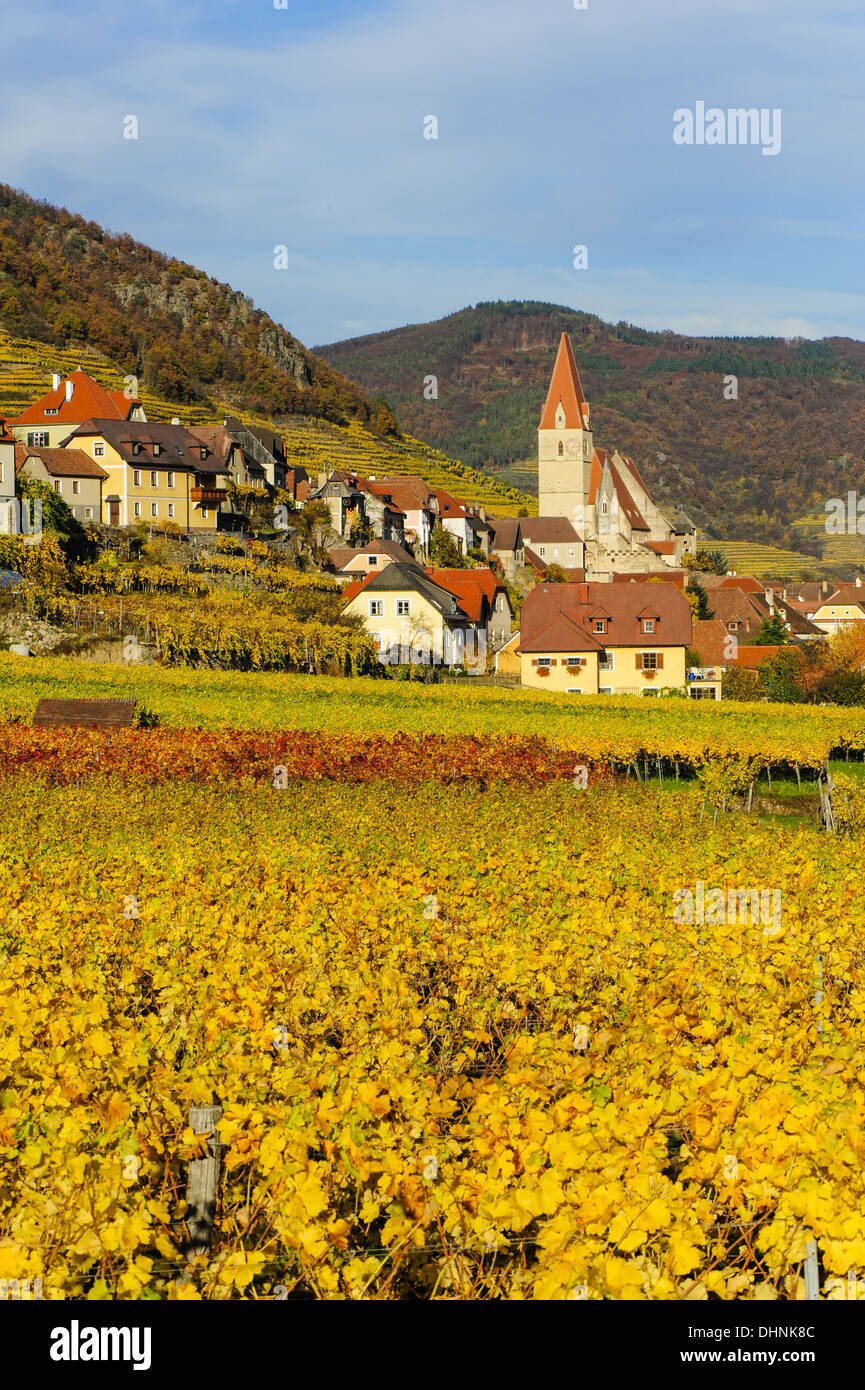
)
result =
(203, 1183)
(812, 1272)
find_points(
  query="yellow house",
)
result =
(607, 639)
(839, 610)
(413, 620)
(156, 473)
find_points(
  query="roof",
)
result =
(709, 637)
(747, 582)
(660, 547)
(472, 588)
(507, 533)
(89, 401)
(345, 557)
(621, 604)
(407, 490)
(846, 596)
(566, 390)
(737, 605)
(560, 633)
(397, 578)
(6, 436)
(547, 530)
(179, 446)
(753, 656)
(61, 463)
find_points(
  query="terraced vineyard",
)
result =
(317, 445)
(748, 557)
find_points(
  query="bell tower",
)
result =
(565, 444)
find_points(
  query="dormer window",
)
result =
(203, 451)
(648, 624)
(136, 448)
(600, 625)
(157, 449)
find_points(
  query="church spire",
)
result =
(565, 390)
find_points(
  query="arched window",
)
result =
(604, 508)
(561, 448)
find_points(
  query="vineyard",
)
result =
(495, 1066)
(596, 727)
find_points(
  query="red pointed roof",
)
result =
(565, 387)
(90, 401)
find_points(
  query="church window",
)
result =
(604, 508)
(561, 448)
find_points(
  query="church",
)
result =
(601, 494)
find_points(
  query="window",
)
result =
(169, 480)
(157, 450)
(38, 438)
(733, 626)
(572, 690)
(403, 607)
(154, 509)
(605, 690)
(56, 485)
(570, 552)
(204, 513)
(372, 559)
(600, 625)
(154, 478)
(136, 477)
(53, 411)
(76, 486)
(648, 624)
(650, 661)
(376, 608)
(136, 448)
(171, 509)
(136, 508)
(542, 550)
(561, 448)
(88, 513)
(544, 661)
(98, 451)
(604, 508)
(608, 662)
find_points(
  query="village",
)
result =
(604, 592)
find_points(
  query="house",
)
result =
(414, 620)
(841, 609)
(508, 658)
(352, 563)
(72, 473)
(506, 544)
(155, 473)
(417, 501)
(483, 597)
(616, 639)
(69, 404)
(229, 453)
(553, 540)
(264, 448)
(352, 505)
(470, 529)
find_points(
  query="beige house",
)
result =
(414, 621)
(156, 473)
(840, 610)
(607, 639)
(72, 473)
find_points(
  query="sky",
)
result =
(303, 127)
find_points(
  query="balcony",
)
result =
(210, 496)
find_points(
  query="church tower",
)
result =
(565, 445)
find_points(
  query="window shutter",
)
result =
(534, 662)
(660, 661)
(639, 661)
(553, 661)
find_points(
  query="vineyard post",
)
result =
(203, 1182)
(812, 1272)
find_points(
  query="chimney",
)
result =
(55, 381)
(70, 387)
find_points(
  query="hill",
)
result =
(73, 294)
(184, 335)
(745, 468)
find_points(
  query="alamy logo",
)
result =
(737, 126)
(76, 1343)
(20, 1290)
(845, 519)
(715, 908)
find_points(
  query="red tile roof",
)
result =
(621, 603)
(89, 401)
(470, 588)
(565, 389)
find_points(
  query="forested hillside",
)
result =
(744, 467)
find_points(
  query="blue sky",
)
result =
(303, 127)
